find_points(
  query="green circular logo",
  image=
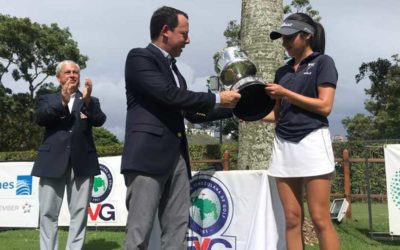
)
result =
(212, 208)
(205, 208)
(102, 185)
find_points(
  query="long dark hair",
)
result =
(317, 41)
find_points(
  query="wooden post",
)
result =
(346, 173)
(226, 160)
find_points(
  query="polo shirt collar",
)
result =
(305, 60)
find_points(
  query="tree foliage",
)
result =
(302, 6)
(232, 33)
(360, 127)
(30, 51)
(17, 130)
(103, 137)
(383, 104)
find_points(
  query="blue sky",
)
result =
(357, 31)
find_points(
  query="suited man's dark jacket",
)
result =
(68, 138)
(156, 108)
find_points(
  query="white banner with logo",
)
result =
(234, 210)
(107, 206)
(230, 209)
(392, 165)
(19, 205)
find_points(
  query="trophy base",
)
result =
(254, 103)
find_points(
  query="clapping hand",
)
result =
(66, 91)
(87, 91)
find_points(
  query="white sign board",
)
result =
(18, 195)
(234, 210)
(230, 209)
(107, 206)
(392, 166)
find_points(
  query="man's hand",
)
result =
(87, 91)
(66, 91)
(229, 99)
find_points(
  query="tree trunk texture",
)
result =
(259, 18)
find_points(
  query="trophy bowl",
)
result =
(233, 65)
(237, 72)
(254, 103)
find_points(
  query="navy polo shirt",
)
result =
(295, 123)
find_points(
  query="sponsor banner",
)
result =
(229, 209)
(392, 166)
(107, 205)
(233, 210)
(19, 206)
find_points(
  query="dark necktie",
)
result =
(182, 83)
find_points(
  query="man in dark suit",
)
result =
(67, 156)
(155, 160)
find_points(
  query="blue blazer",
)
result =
(68, 138)
(156, 108)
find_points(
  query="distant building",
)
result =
(338, 138)
(213, 132)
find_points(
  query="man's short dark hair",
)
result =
(164, 16)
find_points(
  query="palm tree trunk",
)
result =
(259, 18)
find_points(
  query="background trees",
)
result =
(17, 131)
(29, 53)
(383, 104)
(103, 137)
(303, 6)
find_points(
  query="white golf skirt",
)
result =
(312, 156)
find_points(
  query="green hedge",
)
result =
(358, 185)
(18, 156)
(197, 152)
(110, 150)
(212, 152)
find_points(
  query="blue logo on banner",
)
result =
(212, 209)
(24, 185)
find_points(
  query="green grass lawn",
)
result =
(28, 239)
(353, 234)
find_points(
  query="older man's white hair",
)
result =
(61, 64)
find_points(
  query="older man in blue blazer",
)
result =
(155, 160)
(67, 157)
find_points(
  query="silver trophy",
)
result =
(237, 72)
